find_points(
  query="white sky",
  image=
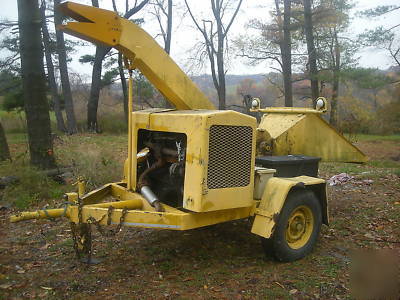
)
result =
(185, 36)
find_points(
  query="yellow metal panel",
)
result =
(195, 124)
(133, 132)
(309, 134)
(290, 110)
(40, 214)
(224, 198)
(192, 123)
(129, 180)
(106, 27)
(130, 204)
(274, 197)
(171, 219)
(97, 194)
(277, 124)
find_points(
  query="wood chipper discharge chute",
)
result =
(304, 131)
(194, 166)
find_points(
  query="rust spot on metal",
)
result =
(275, 217)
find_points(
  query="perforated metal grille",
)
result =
(229, 163)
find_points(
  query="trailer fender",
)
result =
(274, 197)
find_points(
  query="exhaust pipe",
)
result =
(150, 197)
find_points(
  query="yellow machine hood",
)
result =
(303, 131)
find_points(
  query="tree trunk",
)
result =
(34, 85)
(221, 80)
(62, 62)
(375, 99)
(285, 48)
(167, 45)
(123, 84)
(4, 150)
(220, 57)
(95, 88)
(50, 72)
(333, 120)
(169, 28)
(312, 55)
(287, 54)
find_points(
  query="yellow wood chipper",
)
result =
(194, 166)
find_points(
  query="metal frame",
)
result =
(139, 213)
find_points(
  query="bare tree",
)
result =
(4, 150)
(215, 33)
(101, 52)
(50, 71)
(62, 63)
(336, 55)
(285, 45)
(34, 85)
(312, 54)
(162, 9)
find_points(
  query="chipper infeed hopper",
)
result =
(194, 166)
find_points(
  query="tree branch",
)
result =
(233, 17)
(134, 10)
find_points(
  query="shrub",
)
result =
(33, 186)
(388, 119)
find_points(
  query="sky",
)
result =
(185, 35)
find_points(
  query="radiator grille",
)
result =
(229, 163)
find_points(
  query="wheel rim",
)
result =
(299, 227)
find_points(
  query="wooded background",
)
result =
(309, 45)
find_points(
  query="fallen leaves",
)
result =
(293, 291)
(5, 286)
(279, 284)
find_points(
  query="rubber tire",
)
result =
(277, 245)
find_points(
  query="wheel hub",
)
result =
(299, 228)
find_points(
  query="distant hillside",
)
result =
(268, 87)
(205, 81)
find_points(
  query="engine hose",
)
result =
(144, 186)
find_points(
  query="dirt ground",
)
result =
(224, 261)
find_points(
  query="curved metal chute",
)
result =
(105, 27)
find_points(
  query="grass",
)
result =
(111, 122)
(31, 189)
(98, 159)
(372, 137)
(223, 261)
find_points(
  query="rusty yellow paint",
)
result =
(300, 227)
(289, 110)
(273, 199)
(303, 131)
(130, 152)
(170, 219)
(140, 213)
(40, 214)
(129, 204)
(81, 187)
(105, 27)
(196, 124)
(71, 197)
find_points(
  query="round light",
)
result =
(320, 104)
(255, 103)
